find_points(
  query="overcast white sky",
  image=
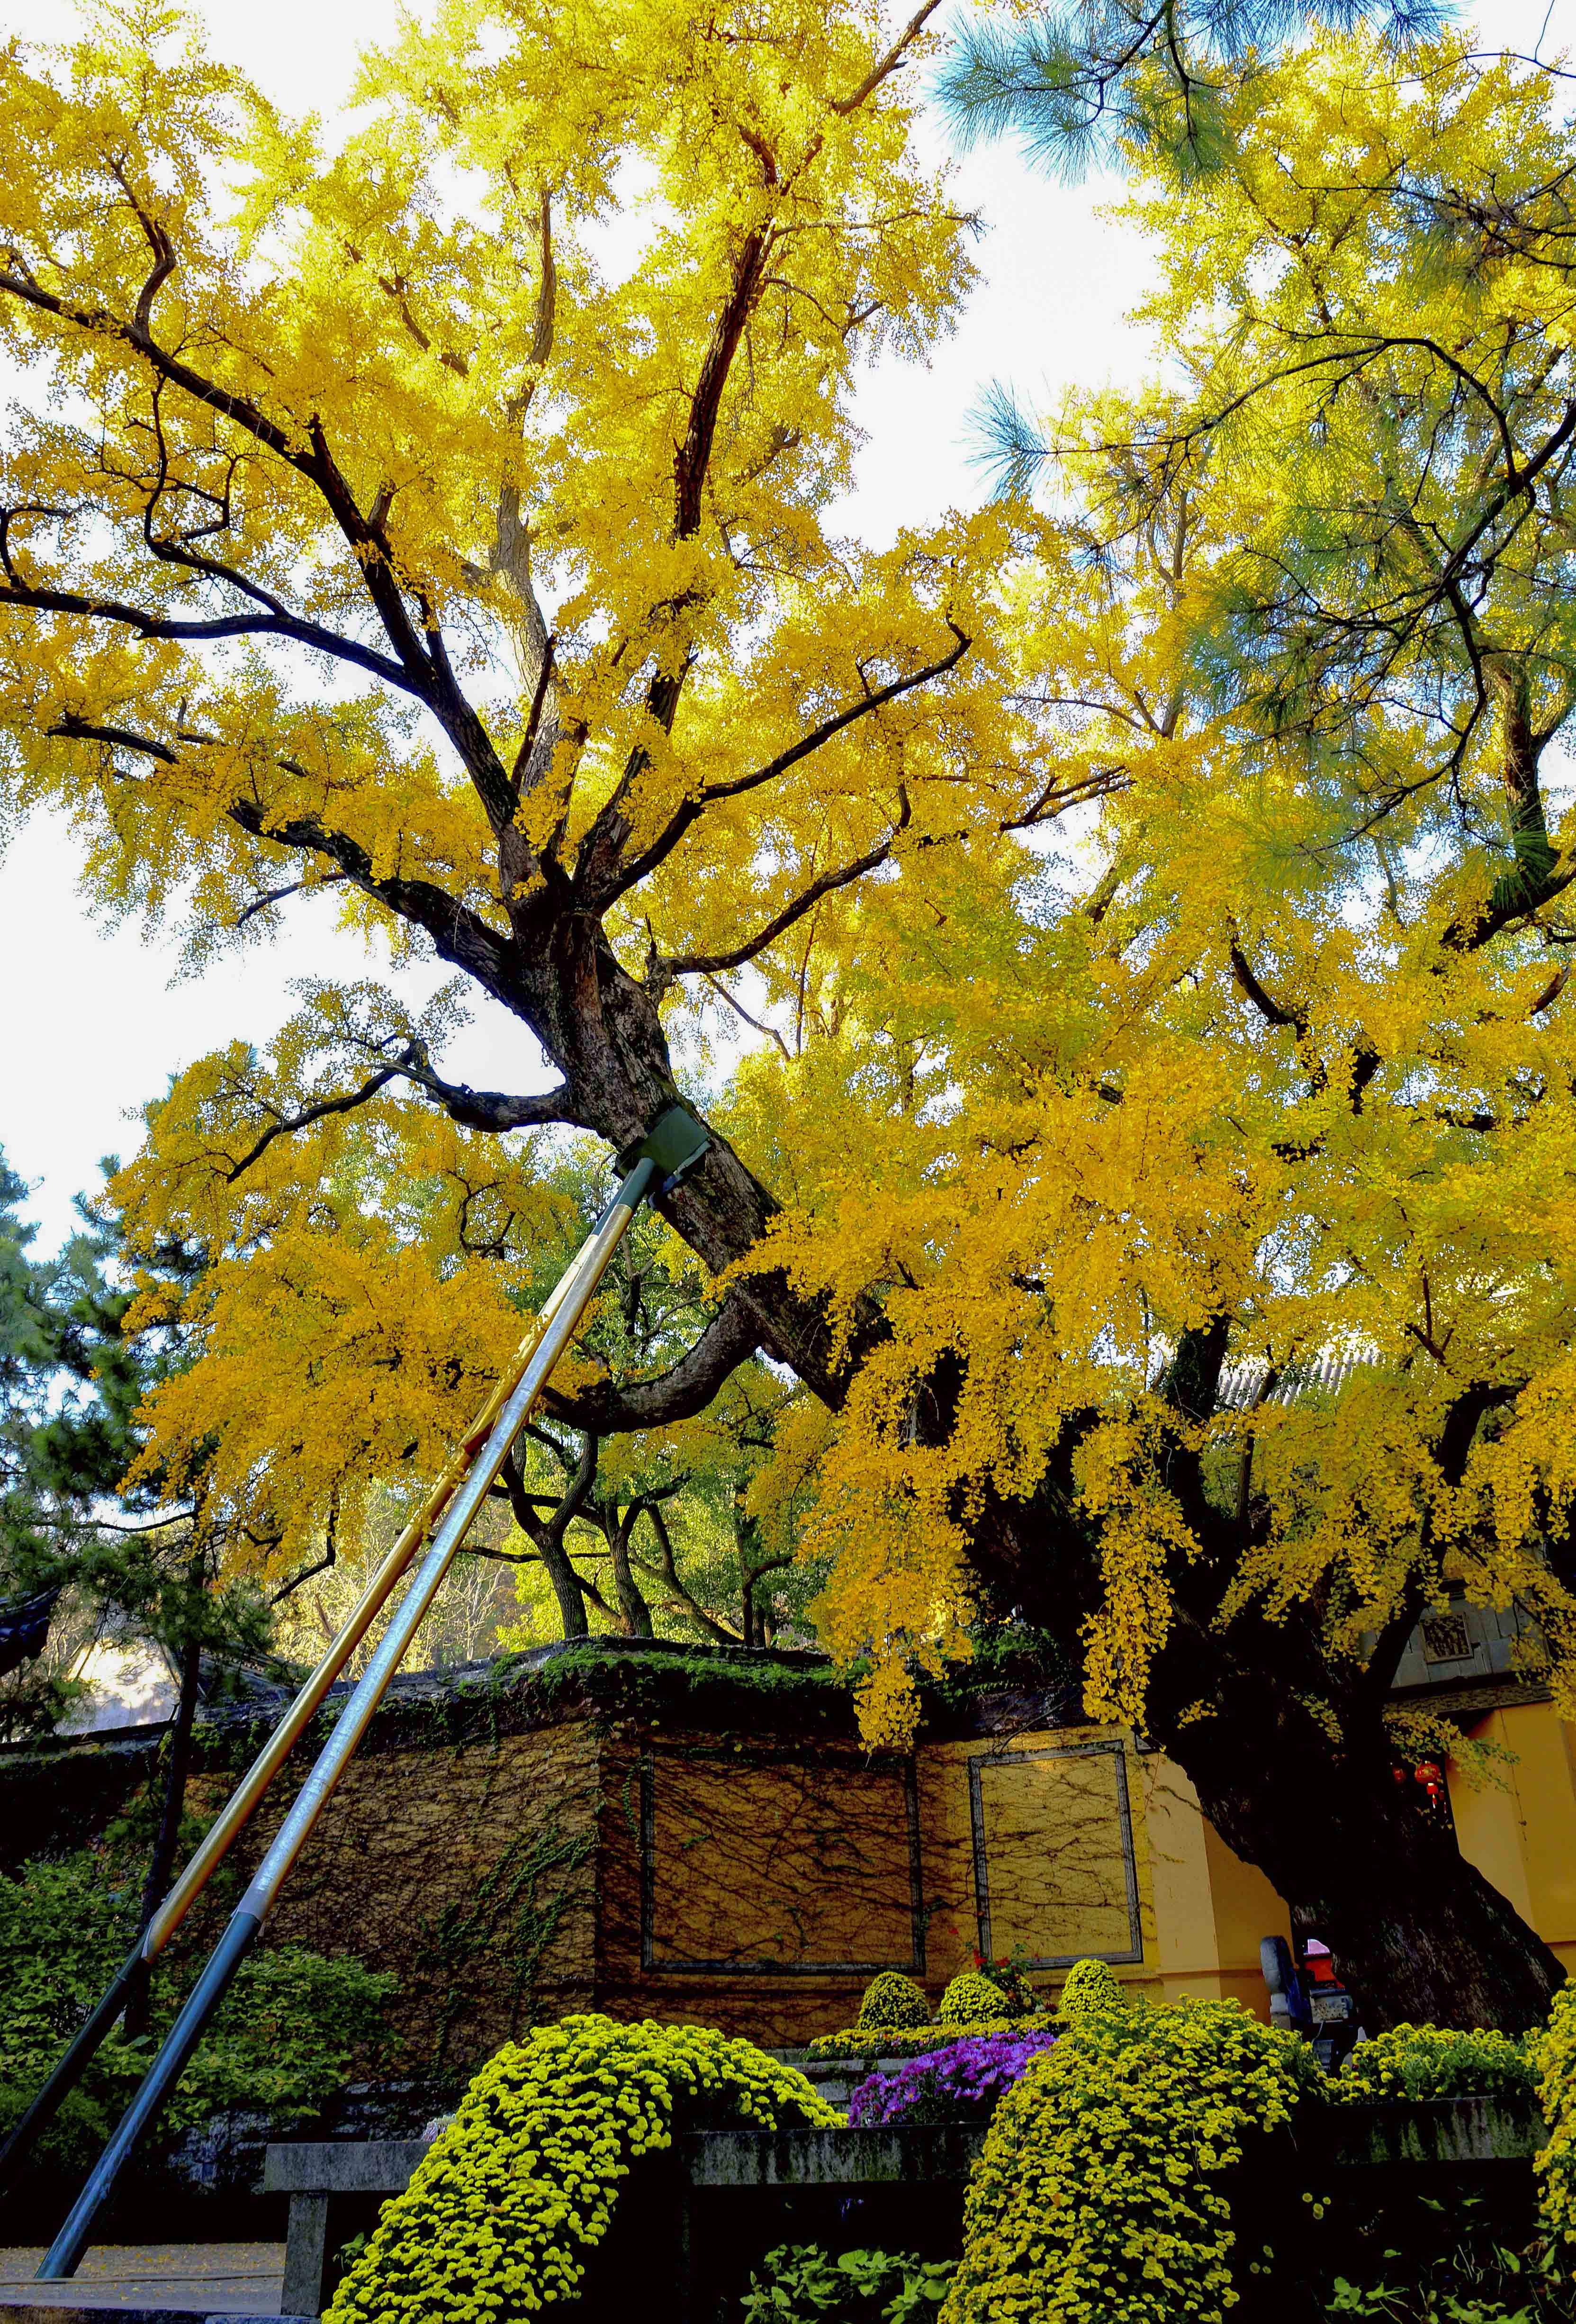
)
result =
(88, 1042)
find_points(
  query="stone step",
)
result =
(147, 2280)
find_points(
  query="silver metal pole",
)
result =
(371, 1687)
(244, 1801)
(237, 1811)
(246, 1923)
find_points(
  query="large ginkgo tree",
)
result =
(439, 528)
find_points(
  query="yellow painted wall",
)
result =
(1520, 1830)
(1054, 1872)
(1211, 1909)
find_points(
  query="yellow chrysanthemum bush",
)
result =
(1437, 2061)
(893, 2001)
(1091, 1987)
(1097, 2200)
(1554, 2058)
(510, 2198)
(971, 1997)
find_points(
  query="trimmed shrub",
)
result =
(1553, 2058)
(507, 2200)
(971, 2000)
(1436, 2061)
(1018, 1997)
(1096, 2200)
(893, 1999)
(1089, 1990)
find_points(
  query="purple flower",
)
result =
(963, 2081)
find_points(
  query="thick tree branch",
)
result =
(288, 1124)
(420, 665)
(888, 64)
(30, 598)
(665, 1569)
(629, 874)
(712, 963)
(495, 1110)
(458, 934)
(693, 457)
(1270, 1010)
(612, 1409)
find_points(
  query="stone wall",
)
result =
(689, 1838)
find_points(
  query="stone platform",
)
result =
(147, 2282)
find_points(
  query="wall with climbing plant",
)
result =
(704, 1839)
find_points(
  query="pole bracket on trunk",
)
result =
(674, 1142)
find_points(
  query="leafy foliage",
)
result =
(800, 2283)
(1007, 1973)
(1149, 909)
(509, 2197)
(1451, 2256)
(1093, 2199)
(281, 2041)
(72, 1380)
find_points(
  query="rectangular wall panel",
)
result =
(1055, 1872)
(778, 1867)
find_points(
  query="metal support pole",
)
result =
(672, 1147)
(238, 1810)
(151, 2092)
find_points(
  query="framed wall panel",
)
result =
(1054, 1869)
(776, 1867)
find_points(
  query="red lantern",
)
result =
(1431, 1775)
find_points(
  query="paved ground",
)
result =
(190, 2279)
